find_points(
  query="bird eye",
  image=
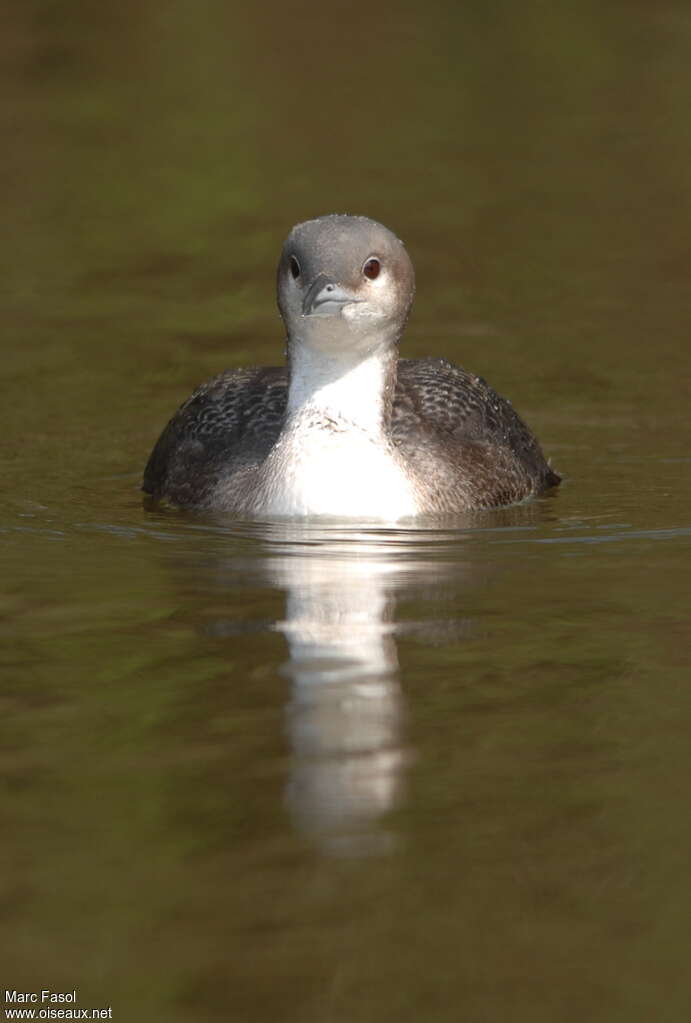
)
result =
(371, 268)
(294, 267)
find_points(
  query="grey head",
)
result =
(344, 282)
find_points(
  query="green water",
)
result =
(256, 772)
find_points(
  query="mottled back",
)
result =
(456, 433)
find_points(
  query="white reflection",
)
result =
(345, 715)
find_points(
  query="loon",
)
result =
(346, 429)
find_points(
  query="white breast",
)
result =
(336, 471)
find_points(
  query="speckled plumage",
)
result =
(346, 428)
(483, 454)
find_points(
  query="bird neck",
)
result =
(343, 387)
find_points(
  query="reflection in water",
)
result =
(345, 715)
(344, 718)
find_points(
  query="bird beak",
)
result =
(325, 297)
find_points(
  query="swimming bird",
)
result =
(346, 428)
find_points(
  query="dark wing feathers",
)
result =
(440, 410)
(227, 424)
(459, 403)
(471, 423)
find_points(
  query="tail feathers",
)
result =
(552, 478)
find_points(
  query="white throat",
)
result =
(334, 456)
(341, 387)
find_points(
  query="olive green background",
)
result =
(532, 864)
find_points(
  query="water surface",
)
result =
(307, 772)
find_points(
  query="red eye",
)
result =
(294, 267)
(371, 268)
